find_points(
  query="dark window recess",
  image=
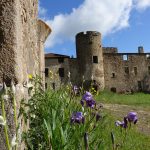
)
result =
(61, 72)
(95, 59)
(61, 60)
(113, 89)
(139, 86)
(125, 57)
(135, 70)
(113, 75)
(45, 85)
(90, 42)
(46, 72)
(53, 86)
(126, 70)
(149, 70)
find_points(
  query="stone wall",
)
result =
(110, 50)
(74, 70)
(127, 72)
(22, 38)
(53, 80)
(119, 72)
(90, 57)
(7, 40)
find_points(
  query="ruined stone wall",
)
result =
(110, 50)
(22, 38)
(88, 47)
(130, 80)
(54, 80)
(74, 70)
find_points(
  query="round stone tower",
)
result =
(90, 57)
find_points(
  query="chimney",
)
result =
(140, 49)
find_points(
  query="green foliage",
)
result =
(49, 116)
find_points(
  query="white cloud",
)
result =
(105, 16)
(142, 4)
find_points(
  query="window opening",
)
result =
(125, 57)
(126, 69)
(113, 75)
(135, 70)
(61, 72)
(149, 70)
(61, 60)
(95, 59)
(113, 89)
(46, 72)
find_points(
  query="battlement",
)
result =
(88, 33)
(110, 50)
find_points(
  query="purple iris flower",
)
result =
(132, 117)
(122, 124)
(119, 123)
(87, 97)
(90, 103)
(77, 118)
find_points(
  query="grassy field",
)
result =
(136, 99)
(49, 115)
(120, 104)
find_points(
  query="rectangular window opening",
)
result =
(61, 72)
(126, 69)
(45, 85)
(113, 89)
(125, 57)
(61, 60)
(135, 70)
(46, 72)
(95, 59)
(53, 86)
(139, 86)
(149, 70)
(113, 75)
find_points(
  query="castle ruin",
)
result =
(117, 72)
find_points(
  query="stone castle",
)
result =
(118, 72)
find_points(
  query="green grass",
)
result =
(136, 99)
(49, 115)
(134, 140)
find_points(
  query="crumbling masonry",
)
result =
(22, 37)
(118, 72)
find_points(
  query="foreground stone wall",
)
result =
(7, 40)
(22, 38)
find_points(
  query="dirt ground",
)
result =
(120, 111)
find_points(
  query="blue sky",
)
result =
(124, 24)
